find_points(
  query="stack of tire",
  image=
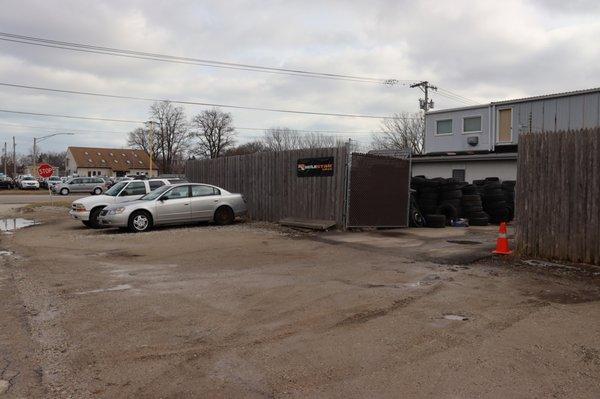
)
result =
(508, 187)
(427, 194)
(450, 199)
(472, 206)
(494, 201)
(427, 200)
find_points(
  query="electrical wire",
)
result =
(37, 41)
(87, 93)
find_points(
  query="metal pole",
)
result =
(151, 143)
(5, 160)
(14, 158)
(34, 156)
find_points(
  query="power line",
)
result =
(235, 127)
(81, 47)
(456, 97)
(87, 93)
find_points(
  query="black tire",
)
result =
(136, 222)
(448, 195)
(495, 205)
(64, 191)
(87, 223)
(416, 219)
(470, 189)
(511, 212)
(427, 210)
(479, 182)
(436, 221)
(97, 191)
(494, 198)
(469, 210)
(417, 181)
(454, 202)
(471, 198)
(449, 211)
(94, 213)
(494, 185)
(428, 195)
(428, 190)
(427, 203)
(509, 184)
(492, 179)
(479, 215)
(224, 215)
(479, 221)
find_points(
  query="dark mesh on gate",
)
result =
(378, 192)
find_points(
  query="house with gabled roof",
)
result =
(113, 162)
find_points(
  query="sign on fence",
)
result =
(308, 167)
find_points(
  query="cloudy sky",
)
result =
(481, 50)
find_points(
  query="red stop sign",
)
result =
(45, 170)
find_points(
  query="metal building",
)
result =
(474, 141)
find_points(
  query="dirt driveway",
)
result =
(250, 311)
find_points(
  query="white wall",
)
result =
(474, 170)
(457, 140)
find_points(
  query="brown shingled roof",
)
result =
(117, 159)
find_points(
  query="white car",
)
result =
(29, 183)
(88, 209)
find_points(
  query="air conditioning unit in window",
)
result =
(473, 141)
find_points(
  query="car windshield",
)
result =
(28, 178)
(155, 194)
(116, 189)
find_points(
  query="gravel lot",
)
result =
(252, 311)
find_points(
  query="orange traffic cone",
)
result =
(502, 242)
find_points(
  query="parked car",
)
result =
(6, 182)
(93, 185)
(29, 183)
(176, 204)
(88, 209)
(49, 182)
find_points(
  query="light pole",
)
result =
(36, 140)
(151, 145)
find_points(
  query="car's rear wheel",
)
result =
(224, 215)
(140, 221)
(64, 191)
(97, 191)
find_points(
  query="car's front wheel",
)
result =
(97, 191)
(94, 223)
(140, 221)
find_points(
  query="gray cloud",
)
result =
(483, 50)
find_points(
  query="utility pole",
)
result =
(14, 158)
(34, 156)
(5, 160)
(426, 104)
(151, 142)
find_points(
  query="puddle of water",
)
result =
(120, 287)
(9, 225)
(455, 317)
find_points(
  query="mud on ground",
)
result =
(253, 311)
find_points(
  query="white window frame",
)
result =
(474, 131)
(497, 132)
(444, 134)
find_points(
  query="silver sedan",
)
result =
(175, 204)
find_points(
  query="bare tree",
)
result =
(403, 131)
(281, 139)
(141, 138)
(317, 140)
(215, 132)
(170, 133)
(251, 147)
(166, 137)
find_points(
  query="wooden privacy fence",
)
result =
(558, 195)
(270, 183)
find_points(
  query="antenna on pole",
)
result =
(425, 104)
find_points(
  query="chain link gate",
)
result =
(378, 190)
